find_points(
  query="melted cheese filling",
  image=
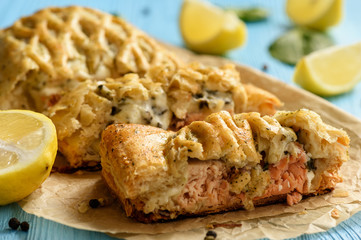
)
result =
(152, 112)
(212, 100)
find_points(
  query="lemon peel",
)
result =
(206, 28)
(316, 14)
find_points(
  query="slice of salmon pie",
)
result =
(222, 163)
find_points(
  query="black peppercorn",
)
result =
(94, 203)
(211, 235)
(24, 226)
(14, 223)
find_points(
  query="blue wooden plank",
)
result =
(159, 18)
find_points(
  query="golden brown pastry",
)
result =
(87, 69)
(44, 55)
(82, 114)
(195, 91)
(259, 100)
(222, 163)
(192, 93)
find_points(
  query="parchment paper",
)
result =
(60, 195)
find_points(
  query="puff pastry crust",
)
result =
(50, 51)
(191, 93)
(222, 163)
(86, 69)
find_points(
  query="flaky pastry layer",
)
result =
(56, 60)
(221, 163)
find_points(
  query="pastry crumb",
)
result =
(340, 193)
(335, 213)
(103, 202)
(304, 212)
(209, 226)
(83, 207)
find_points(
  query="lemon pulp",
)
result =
(330, 71)
(28, 146)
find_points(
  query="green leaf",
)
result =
(299, 42)
(254, 14)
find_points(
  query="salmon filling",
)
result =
(209, 184)
(289, 177)
(207, 187)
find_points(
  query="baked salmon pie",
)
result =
(222, 163)
(192, 93)
(44, 55)
(86, 69)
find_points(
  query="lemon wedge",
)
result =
(28, 146)
(330, 71)
(317, 14)
(206, 28)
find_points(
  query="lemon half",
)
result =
(317, 14)
(206, 28)
(28, 146)
(330, 71)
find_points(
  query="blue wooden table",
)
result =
(159, 18)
